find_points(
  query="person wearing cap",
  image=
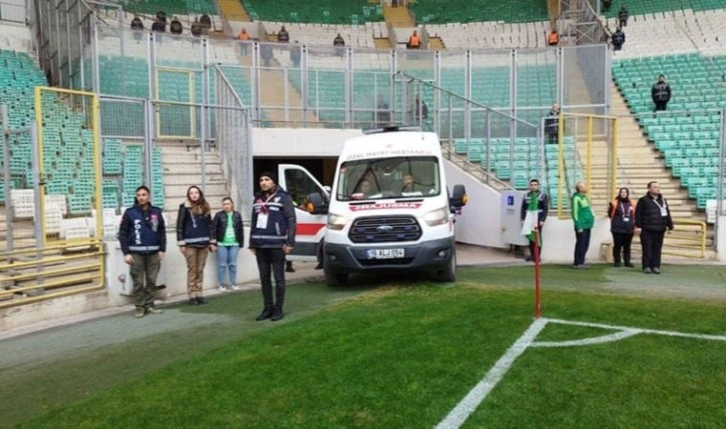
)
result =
(272, 236)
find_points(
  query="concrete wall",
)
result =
(480, 223)
(117, 292)
(302, 142)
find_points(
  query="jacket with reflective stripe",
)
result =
(279, 230)
(192, 229)
(142, 232)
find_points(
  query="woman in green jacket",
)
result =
(584, 219)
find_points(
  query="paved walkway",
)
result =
(467, 255)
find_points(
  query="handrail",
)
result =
(467, 100)
(702, 231)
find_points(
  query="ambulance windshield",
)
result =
(383, 178)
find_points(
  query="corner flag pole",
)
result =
(537, 297)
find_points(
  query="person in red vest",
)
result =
(553, 39)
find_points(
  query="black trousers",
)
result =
(271, 262)
(660, 105)
(581, 246)
(652, 243)
(621, 245)
(532, 244)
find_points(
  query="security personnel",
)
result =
(272, 236)
(661, 93)
(543, 207)
(414, 42)
(142, 236)
(553, 39)
(618, 39)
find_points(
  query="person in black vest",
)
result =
(661, 93)
(543, 208)
(618, 39)
(272, 236)
(197, 28)
(339, 44)
(206, 22)
(623, 16)
(142, 236)
(137, 24)
(552, 124)
(420, 109)
(622, 225)
(176, 26)
(652, 218)
(283, 36)
(159, 26)
(195, 237)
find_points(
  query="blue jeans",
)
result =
(227, 259)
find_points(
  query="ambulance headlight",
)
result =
(336, 222)
(437, 217)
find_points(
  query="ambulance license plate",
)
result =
(385, 253)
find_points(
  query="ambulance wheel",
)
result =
(335, 279)
(448, 275)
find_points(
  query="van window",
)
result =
(299, 186)
(375, 179)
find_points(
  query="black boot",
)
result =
(288, 267)
(266, 314)
(277, 314)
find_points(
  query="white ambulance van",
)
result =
(389, 208)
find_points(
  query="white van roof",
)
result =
(391, 144)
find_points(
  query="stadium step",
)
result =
(398, 17)
(233, 10)
(436, 44)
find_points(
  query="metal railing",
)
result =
(13, 12)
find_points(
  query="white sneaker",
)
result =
(234, 287)
(223, 289)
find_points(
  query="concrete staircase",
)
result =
(639, 163)
(272, 94)
(436, 44)
(232, 10)
(398, 17)
(183, 168)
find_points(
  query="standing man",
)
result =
(623, 16)
(618, 39)
(552, 124)
(272, 236)
(142, 236)
(542, 209)
(652, 218)
(584, 220)
(661, 93)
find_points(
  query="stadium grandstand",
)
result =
(94, 109)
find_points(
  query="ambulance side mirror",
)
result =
(316, 204)
(458, 197)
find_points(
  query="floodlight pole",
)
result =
(537, 295)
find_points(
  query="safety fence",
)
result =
(53, 220)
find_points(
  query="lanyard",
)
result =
(661, 207)
(622, 210)
(263, 207)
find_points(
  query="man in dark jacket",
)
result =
(552, 124)
(618, 39)
(142, 236)
(137, 24)
(661, 93)
(542, 210)
(652, 218)
(272, 236)
(283, 36)
(176, 26)
(623, 16)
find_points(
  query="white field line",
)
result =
(642, 330)
(471, 401)
(587, 341)
(476, 396)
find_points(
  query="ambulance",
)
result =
(389, 208)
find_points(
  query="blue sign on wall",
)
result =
(510, 200)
